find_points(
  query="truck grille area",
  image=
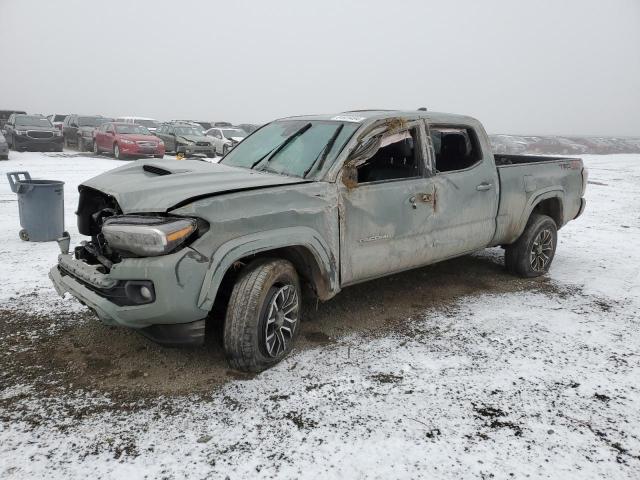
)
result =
(203, 144)
(39, 134)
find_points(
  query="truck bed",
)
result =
(502, 159)
(523, 179)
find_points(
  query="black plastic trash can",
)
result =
(41, 206)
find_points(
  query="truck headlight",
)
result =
(147, 236)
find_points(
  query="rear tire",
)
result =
(263, 315)
(531, 255)
(96, 148)
(81, 147)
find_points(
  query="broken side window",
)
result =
(398, 156)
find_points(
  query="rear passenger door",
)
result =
(466, 189)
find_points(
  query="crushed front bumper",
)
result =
(172, 318)
(196, 149)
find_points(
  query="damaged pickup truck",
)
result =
(324, 201)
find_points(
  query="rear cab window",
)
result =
(455, 147)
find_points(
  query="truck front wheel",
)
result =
(263, 315)
(531, 255)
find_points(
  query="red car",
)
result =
(126, 140)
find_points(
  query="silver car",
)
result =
(225, 138)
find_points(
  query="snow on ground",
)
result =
(538, 383)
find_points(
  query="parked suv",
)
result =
(186, 139)
(32, 132)
(127, 140)
(78, 130)
(224, 139)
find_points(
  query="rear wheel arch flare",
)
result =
(552, 207)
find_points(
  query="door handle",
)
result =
(484, 186)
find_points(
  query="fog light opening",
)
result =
(145, 293)
(140, 291)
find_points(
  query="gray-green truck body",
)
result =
(396, 191)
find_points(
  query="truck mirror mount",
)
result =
(350, 176)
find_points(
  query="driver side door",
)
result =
(385, 216)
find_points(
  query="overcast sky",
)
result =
(520, 66)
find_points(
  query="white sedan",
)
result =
(225, 138)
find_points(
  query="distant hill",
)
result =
(563, 145)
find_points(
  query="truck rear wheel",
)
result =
(263, 315)
(531, 255)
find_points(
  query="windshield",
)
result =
(92, 121)
(233, 132)
(146, 123)
(59, 118)
(32, 121)
(130, 129)
(299, 153)
(189, 131)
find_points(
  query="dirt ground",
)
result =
(80, 352)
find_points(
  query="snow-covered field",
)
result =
(535, 379)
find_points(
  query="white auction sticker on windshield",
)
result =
(348, 118)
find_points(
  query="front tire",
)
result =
(263, 315)
(116, 152)
(81, 146)
(531, 255)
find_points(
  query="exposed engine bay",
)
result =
(115, 236)
(93, 208)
